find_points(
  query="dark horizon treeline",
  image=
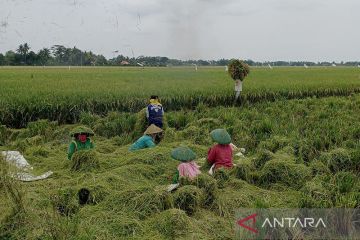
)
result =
(59, 55)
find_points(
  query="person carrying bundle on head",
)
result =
(155, 112)
(188, 167)
(148, 140)
(81, 140)
(220, 155)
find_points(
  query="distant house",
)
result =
(124, 62)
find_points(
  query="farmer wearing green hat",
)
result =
(148, 139)
(188, 167)
(81, 140)
(220, 155)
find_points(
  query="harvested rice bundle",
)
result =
(238, 70)
(148, 202)
(222, 176)
(287, 173)
(172, 223)
(206, 183)
(188, 198)
(85, 160)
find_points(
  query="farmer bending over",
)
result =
(81, 140)
(148, 140)
(155, 112)
(188, 168)
(220, 155)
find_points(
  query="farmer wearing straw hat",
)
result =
(220, 155)
(188, 167)
(148, 139)
(155, 112)
(81, 140)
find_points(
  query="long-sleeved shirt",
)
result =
(76, 145)
(143, 142)
(221, 156)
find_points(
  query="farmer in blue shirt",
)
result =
(148, 139)
(155, 112)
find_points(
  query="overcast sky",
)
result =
(314, 30)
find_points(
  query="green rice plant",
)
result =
(66, 97)
(188, 198)
(88, 119)
(85, 160)
(42, 128)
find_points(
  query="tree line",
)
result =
(59, 55)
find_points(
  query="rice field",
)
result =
(60, 94)
(300, 128)
(299, 153)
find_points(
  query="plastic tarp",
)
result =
(15, 158)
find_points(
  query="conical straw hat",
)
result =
(81, 130)
(183, 154)
(153, 129)
(221, 136)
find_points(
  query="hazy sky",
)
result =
(314, 30)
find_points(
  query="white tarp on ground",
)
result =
(18, 160)
(27, 177)
(15, 158)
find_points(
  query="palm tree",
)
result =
(23, 50)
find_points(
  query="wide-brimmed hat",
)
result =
(220, 136)
(183, 154)
(81, 130)
(153, 129)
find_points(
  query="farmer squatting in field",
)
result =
(149, 138)
(81, 140)
(188, 168)
(220, 155)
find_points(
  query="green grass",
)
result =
(299, 153)
(28, 94)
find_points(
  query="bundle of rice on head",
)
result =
(238, 69)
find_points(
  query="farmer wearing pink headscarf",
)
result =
(188, 168)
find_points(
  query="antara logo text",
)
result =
(288, 222)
